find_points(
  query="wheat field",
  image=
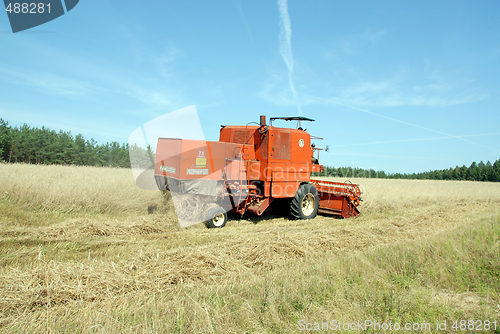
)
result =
(80, 253)
(73, 188)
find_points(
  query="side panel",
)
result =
(254, 171)
(235, 170)
(287, 177)
(290, 156)
(239, 134)
(193, 159)
(300, 147)
(168, 157)
(290, 172)
(221, 153)
(284, 189)
(280, 144)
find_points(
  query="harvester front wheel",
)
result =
(216, 217)
(305, 204)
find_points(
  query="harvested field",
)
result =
(91, 259)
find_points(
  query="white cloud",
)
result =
(357, 43)
(396, 92)
(274, 91)
(49, 82)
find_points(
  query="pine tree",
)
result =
(4, 139)
(473, 172)
(80, 149)
(496, 171)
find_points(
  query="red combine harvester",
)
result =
(250, 168)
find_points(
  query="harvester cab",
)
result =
(248, 169)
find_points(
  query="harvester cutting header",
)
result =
(250, 168)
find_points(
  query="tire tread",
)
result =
(296, 203)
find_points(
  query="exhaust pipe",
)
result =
(263, 126)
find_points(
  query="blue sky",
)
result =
(393, 85)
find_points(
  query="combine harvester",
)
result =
(250, 168)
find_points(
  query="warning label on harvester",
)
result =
(167, 169)
(201, 162)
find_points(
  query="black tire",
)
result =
(305, 204)
(216, 217)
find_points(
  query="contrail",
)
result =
(416, 139)
(286, 46)
(242, 15)
(399, 121)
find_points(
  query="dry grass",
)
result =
(421, 251)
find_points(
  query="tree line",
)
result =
(44, 146)
(475, 172)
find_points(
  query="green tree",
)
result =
(473, 172)
(496, 171)
(481, 171)
(80, 149)
(4, 139)
(488, 171)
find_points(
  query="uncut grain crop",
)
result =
(380, 195)
(91, 259)
(74, 188)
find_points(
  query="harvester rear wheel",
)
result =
(216, 217)
(305, 204)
